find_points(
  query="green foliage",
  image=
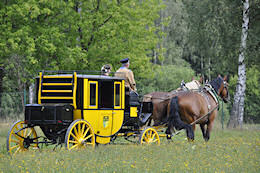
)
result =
(252, 100)
(74, 35)
(166, 78)
(60, 35)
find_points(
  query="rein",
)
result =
(169, 97)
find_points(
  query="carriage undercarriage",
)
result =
(22, 137)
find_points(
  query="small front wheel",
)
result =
(149, 136)
(79, 135)
(20, 138)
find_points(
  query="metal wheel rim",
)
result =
(79, 135)
(149, 136)
(15, 143)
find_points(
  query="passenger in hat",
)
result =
(105, 70)
(126, 73)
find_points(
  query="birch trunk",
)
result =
(31, 94)
(237, 112)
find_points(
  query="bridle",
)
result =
(225, 88)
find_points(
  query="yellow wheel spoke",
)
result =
(153, 136)
(89, 143)
(85, 133)
(83, 128)
(18, 149)
(75, 137)
(147, 136)
(89, 136)
(146, 139)
(30, 132)
(11, 148)
(16, 127)
(15, 141)
(76, 131)
(17, 137)
(76, 145)
(155, 140)
(150, 133)
(75, 142)
(25, 132)
(21, 125)
(79, 129)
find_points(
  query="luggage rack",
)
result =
(57, 88)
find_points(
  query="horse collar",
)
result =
(212, 92)
(207, 98)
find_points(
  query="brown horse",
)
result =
(189, 108)
(161, 100)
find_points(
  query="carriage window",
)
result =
(117, 96)
(93, 94)
(106, 97)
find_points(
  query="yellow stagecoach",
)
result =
(81, 110)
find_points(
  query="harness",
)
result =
(208, 88)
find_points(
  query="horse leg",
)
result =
(168, 132)
(202, 127)
(209, 128)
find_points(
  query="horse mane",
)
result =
(216, 83)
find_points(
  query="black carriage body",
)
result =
(144, 110)
(36, 114)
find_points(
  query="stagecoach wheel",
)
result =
(79, 135)
(20, 138)
(149, 136)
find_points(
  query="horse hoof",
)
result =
(168, 137)
(190, 140)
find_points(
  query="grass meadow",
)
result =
(227, 151)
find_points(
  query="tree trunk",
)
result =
(31, 94)
(237, 112)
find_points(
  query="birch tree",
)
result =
(237, 112)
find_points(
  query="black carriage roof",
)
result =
(87, 76)
(99, 77)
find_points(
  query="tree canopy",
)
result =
(167, 41)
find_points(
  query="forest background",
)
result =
(167, 41)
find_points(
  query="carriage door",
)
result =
(118, 112)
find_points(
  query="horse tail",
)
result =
(175, 119)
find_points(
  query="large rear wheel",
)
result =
(149, 136)
(79, 135)
(20, 138)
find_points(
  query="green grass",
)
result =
(227, 151)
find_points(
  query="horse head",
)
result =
(223, 91)
(221, 87)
